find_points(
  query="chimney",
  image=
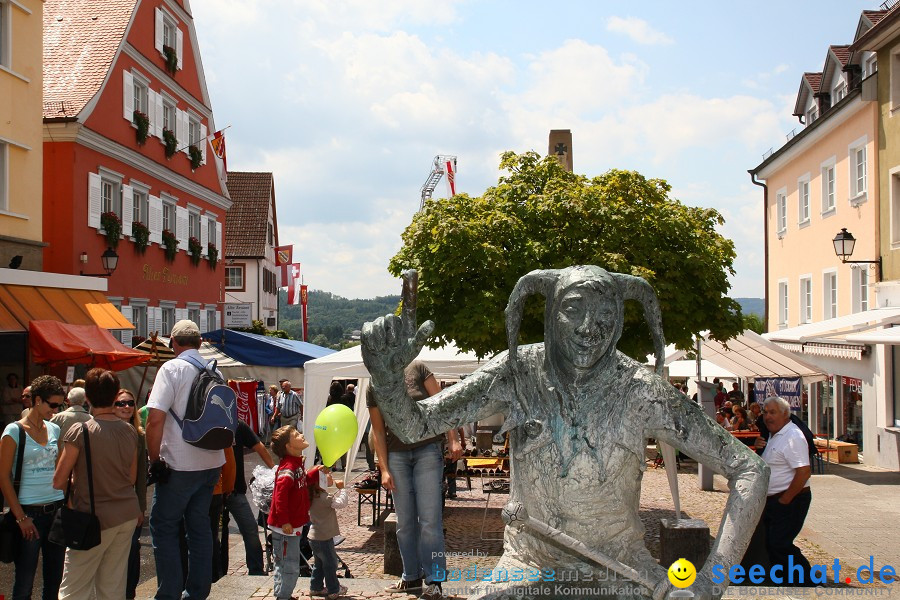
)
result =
(560, 146)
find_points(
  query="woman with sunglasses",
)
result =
(126, 410)
(36, 503)
(113, 460)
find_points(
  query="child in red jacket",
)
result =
(290, 508)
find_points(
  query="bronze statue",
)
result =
(579, 414)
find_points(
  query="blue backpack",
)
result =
(210, 418)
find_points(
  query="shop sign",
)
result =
(238, 314)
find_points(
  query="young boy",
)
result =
(324, 520)
(290, 508)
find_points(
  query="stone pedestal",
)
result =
(393, 563)
(683, 538)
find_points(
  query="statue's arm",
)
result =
(674, 419)
(478, 396)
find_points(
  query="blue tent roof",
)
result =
(253, 349)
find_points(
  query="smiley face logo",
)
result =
(682, 573)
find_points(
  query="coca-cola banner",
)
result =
(246, 402)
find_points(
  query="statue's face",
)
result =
(585, 326)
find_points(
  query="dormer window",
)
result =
(812, 113)
(839, 92)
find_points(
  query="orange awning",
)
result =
(21, 304)
(55, 342)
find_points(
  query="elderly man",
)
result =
(26, 401)
(74, 415)
(579, 414)
(289, 407)
(787, 454)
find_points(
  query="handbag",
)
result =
(73, 528)
(10, 534)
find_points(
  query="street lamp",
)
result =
(109, 259)
(844, 242)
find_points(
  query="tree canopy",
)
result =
(470, 251)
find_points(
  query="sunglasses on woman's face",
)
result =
(54, 405)
(124, 403)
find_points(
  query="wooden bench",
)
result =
(837, 452)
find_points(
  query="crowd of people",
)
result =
(49, 453)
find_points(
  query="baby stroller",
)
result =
(262, 485)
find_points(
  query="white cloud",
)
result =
(638, 30)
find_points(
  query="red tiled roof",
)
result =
(842, 53)
(814, 80)
(80, 41)
(875, 15)
(247, 219)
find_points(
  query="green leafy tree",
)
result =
(471, 251)
(755, 323)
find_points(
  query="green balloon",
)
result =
(335, 432)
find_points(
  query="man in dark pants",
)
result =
(236, 502)
(787, 454)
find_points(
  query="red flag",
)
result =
(294, 282)
(217, 141)
(284, 255)
(451, 178)
(303, 298)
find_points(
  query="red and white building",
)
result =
(111, 68)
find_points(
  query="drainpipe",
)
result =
(765, 188)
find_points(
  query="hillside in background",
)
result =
(333, 318)
(756, 306)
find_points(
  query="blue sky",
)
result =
(348, 102)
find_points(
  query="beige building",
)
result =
(21, 141)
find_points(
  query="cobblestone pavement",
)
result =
(870, 490)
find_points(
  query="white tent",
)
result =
(446, 362)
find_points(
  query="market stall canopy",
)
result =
(21, 304)
(446, 362)
(253, 349)
(55, 342)
(162, 353)
(750, 355)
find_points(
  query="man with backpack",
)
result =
(185, 473)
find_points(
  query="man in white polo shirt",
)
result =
(185, 490)
(787, 455)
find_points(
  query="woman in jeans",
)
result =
(114, 444)
(35, 506)
(125, 410)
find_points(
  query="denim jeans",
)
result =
(186, 495)
(53, 557)
(287, 563)
(418, 476)
(134, 563)
(243, 515)
(325, 567)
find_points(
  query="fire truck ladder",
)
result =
(438, 170)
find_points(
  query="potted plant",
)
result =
(212, 254)
(171, 59)
(141, 235)
(170, 142)
(143, 126)
(112, 227)
(195, 248)
(196, 156)
(170, 244)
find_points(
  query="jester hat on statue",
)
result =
(554, 284)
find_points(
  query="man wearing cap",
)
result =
(187, 474)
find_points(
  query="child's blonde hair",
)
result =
(281, 438)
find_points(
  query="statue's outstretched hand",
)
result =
(390, 343)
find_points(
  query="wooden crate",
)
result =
(839, 452)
